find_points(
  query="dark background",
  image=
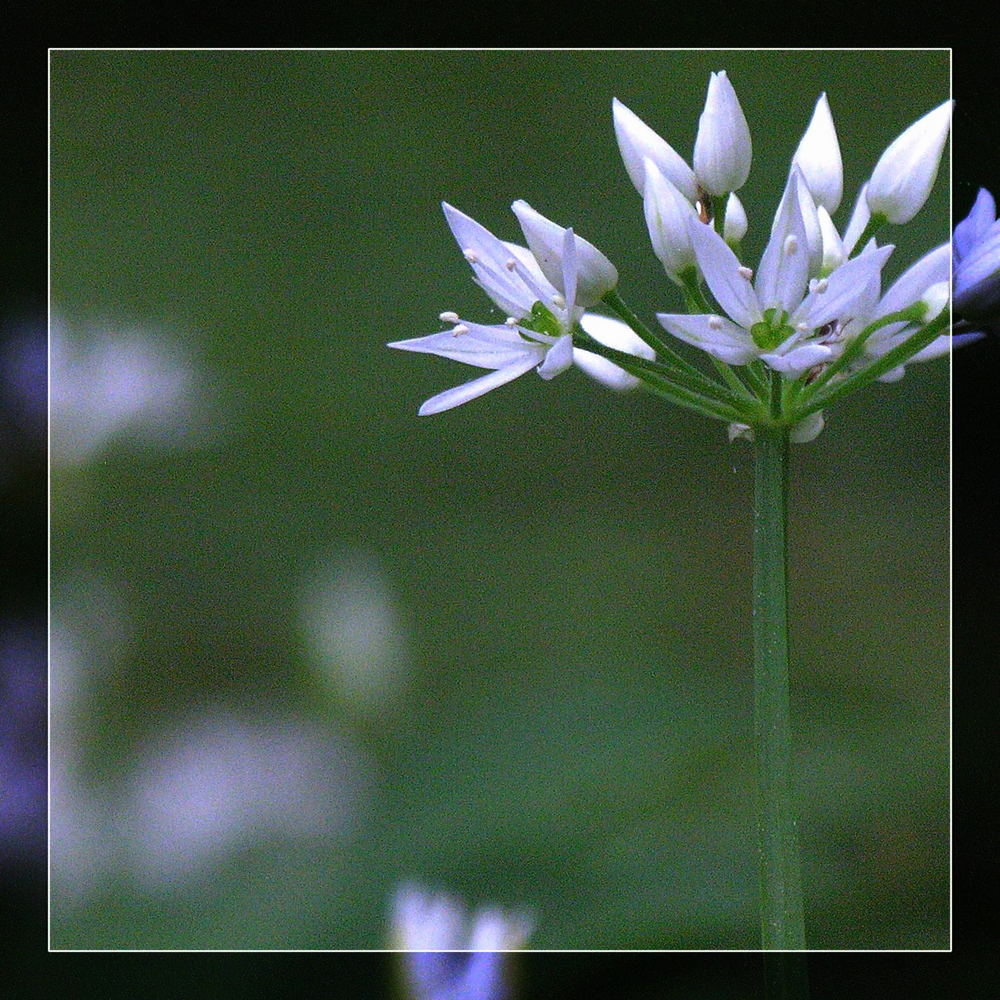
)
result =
(975, 163)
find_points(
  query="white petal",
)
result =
(667, 213)
(781, 277)
(712, 334)
(818, 157)
(637, 140)
(558, 358)
(833, 247)
(596, 275)
(722, 150)
(611, 333)
(491, 256)
(722, 274)
(482, 346)
(471, 390)
(905, 173)
(845, 288)
(798, 360)
(860, 216)
(932, 268)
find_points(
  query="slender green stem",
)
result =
(782, 919)
(875, 223)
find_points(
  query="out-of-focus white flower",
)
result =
(116, 385)
(735, 225)
(638, 142)
(610, 333)
(352, 625)
(722, 149)
(429, 925)
(221, 782)
(667, 213)
(905, 173)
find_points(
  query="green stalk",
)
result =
(781, 912)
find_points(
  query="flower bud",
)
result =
(833, 247)
(595, 274)
(905, 173)
(722, 150)
(637, 141)
(735, 226)
(934, 300)
(667, 212)
(818, 157)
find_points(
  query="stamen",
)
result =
(715, 323)
(448, 317)
(471, 256)
(821, 286)
(746, 272)
(802, 327)
(791, 244)
(559, 301)
(459, 330)
(511, 264)
(511, 321)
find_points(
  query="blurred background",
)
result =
(307, 648)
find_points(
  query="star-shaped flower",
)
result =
(544, 290)
(780, 316)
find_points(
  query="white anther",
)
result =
(511, 321)
(714, 323)
(471, 256)
(791, 244)
(558, 301)
(448, 317)
(746, 272)
(459, 330)
(803, 328)
(511, 264)
(821, 286)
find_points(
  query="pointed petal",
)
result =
(722, 274)
(833, 247)
(471, 390)
(722, 149)
(489, 257)
(860, 216)
(807, 429)
(818, 157)
(781, 277)
(558, 358)
(975, 225)
(595, 274)
(569, 269)
(482, 346)
(637, 140)
(798, 360)
(844, 290)
(932, 268)
(712, 334)
(735, 226)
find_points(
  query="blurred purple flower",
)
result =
(976, 246)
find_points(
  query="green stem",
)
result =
(782, 919)
(875, 223)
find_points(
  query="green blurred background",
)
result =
(308, 647)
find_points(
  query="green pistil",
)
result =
(541, 320)
(772, 330)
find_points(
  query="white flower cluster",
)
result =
(815, 290)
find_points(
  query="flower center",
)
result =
(771, 330)
(542, 320)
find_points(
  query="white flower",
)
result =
(905, 173)
(722, 149)
(637, 142)
(818, 157)
(777, 318)
(610, 333)
(860, 217)
(541, 312)
(667, 213)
